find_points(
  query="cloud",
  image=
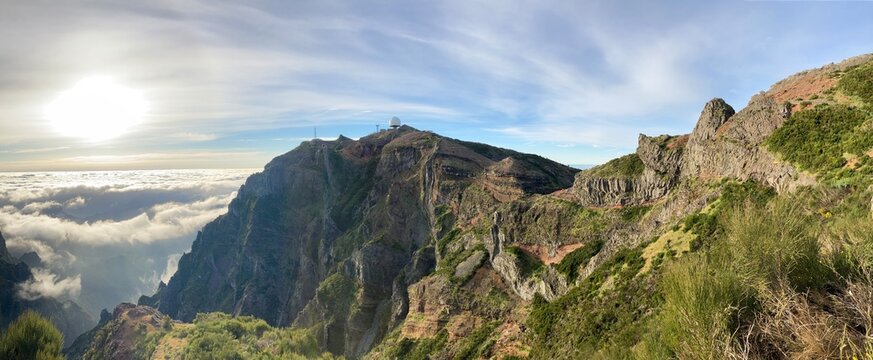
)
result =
(164, 221)
(102, 231)
(172, 266)
(194, 137)
(39, 207)
(57, 259)
(46, 284)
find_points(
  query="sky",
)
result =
(233, 84)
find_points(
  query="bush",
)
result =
(859, 82)
(31, 336)
(571, 263)
(777, 246)
(627, 166)
(600, 318)
(704, 300)
(816, 139)
(714, 298)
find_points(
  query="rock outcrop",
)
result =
(657, 172)
(731, 146)
(724, 144)
(119, 335)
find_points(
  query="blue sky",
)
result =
(233, 84)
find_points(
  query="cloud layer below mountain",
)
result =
(106, 237)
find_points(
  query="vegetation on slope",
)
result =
(771, 277)
(599, 317)
(817, 139)
(571, 263)
(858, 82)
(221, 336)
(782, 281)
(833, 140)
(31, 336)
(627, 166)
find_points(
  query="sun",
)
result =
(96, 108)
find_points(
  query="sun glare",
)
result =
(96, 108)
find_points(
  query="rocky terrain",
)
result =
(406, 244)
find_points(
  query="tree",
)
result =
(31, 336)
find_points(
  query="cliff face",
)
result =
(68, 317)
(331, 233)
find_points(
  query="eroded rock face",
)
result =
(549, 284)
(661, 158)
(601, 192)
(365, 209)
(724, 145)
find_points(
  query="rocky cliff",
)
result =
(332, 233)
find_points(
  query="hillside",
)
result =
(750, 237)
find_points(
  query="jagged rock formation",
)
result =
(362, 213)
(724, 144)
(68, 317)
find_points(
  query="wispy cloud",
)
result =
(46, 284)
(215, 71)
(194, 137)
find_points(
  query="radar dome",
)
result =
(394, 123)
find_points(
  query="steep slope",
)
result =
(323, 234)
(68, 317)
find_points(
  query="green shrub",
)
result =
(816, 139)
(222, 336)
(31, 336)
(595, 320)
(777, 245)
(571, 263)
(711, 296)
(859, 82)
(704, 300)
(627, 166)
(736, 194)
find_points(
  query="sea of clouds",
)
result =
(105, 237)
